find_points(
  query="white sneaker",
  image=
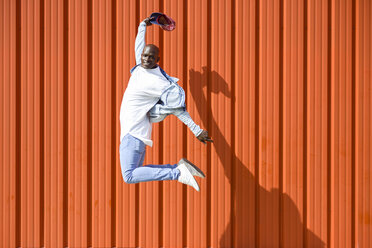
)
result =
(186, 177)
(195, 171)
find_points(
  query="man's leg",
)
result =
(132, 154)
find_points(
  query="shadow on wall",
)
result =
(246, 183)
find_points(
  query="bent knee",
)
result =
(128, 177)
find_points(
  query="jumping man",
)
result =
(150, 96)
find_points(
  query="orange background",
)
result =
(283, 87)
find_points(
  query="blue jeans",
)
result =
(132, 153)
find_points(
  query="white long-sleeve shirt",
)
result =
(144, 90)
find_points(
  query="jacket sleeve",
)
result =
(140, 42)
(185, 117)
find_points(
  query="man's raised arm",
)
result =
(140, 39)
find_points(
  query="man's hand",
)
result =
(147, 21)
(203, 137)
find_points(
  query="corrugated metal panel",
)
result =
(363, 131)
(244, 222)
(342, 125)
(293, 134)
(126, 195)
(30, 140)
(55, 127)
(220, 70)
(317, 124)
(197, 209)
(268, 125)
(79, 123)
(9, 49)
(283, 87)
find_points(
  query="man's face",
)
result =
(149, 57)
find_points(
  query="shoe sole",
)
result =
(193, 181)
(199, 171)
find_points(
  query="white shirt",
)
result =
(143, 92)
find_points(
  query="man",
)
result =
(150, 96)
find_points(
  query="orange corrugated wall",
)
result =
(283, 87)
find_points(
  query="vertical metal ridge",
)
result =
(113, 123)
(363, 130)
(257, 125)
(2, 96)
(281, 124)
(342, 128)
(358, 14)
(24, 117)
(329, 122)
(232, 109)
(353, 129)
(73, 126)
(2, 93)
(360, 154)
(18, 123)
(65, 123)
(305, 119)
(136, 199)
(90, 122)
(12, 25)
(209, 77)
(42, 123)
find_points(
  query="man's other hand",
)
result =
(203, 137)
(147, 21)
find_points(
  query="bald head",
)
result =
(150, 56)
(153, 48)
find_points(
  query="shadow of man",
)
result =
(241, 231)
